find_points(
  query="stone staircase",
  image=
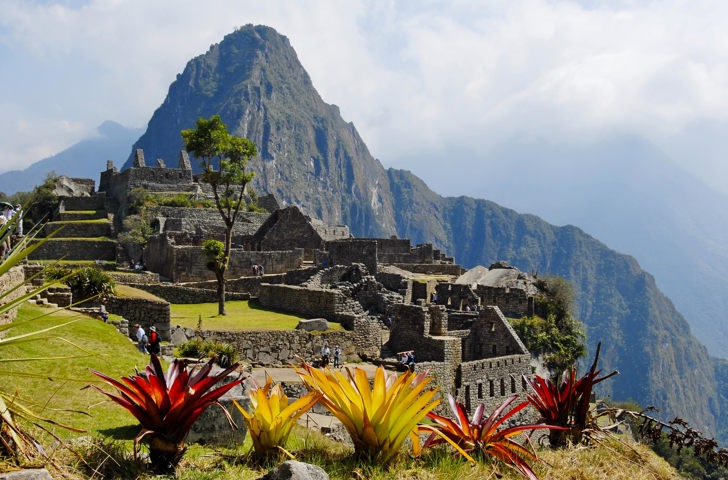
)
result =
(85, 235)
(53, 297)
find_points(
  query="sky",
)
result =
(417, 78)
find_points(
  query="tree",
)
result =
(223, 159)
(555, 335)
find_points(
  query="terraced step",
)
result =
(76, 249)
(82, 215)
(100, 227)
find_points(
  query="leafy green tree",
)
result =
(555, 335)
(215, 253)
(40, 203)
(135, 234)
(85, 283)
(223, 160)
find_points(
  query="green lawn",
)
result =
(51, 373)
(241, 315)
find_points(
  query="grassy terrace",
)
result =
(241, 315)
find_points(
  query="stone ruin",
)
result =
(456, 328)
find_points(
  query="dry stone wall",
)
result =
(306, 302)
(188, 263)
(281, 348)
(144, 312)
(10, 279)
(348, 252)
(491, 381)
(513, 302)
(76, 248)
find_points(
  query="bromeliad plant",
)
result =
(168, 405)
(566, 404)
(272, 418)
(379, 418)
(482, 437)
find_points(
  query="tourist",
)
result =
(5, 242)
(255, 269)
(337, 356)
(403, 358)
(325, 353)
(19, 220)
(8, 212)
(411, 361)
(154, 341)
(102, 311)
(141, 337)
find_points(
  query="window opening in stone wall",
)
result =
(480, 390)
(467, 397)
(503, 387)
(491, 386)
(513, 385)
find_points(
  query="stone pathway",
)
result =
(288, 375)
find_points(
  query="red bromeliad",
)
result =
(483, 436)
(566, 404)
(168, 405)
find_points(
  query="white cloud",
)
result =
(412, 76)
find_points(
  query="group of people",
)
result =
(147, 344)
(407, 359)
(326, 356)
(14, 218)
(258, 270)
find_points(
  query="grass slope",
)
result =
(55, 376)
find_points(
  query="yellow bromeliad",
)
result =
(272, 418)
(380, 417)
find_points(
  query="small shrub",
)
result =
(191, 349)
(224, 353)
(86, 282)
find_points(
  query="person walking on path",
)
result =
(141, 337)
(325, 355)
(154, 341)
(337, 356)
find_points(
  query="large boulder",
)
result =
(313, 325)
(213, 428)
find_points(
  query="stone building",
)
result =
(318, 270)
(477, 357)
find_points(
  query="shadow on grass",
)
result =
(127, 432)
